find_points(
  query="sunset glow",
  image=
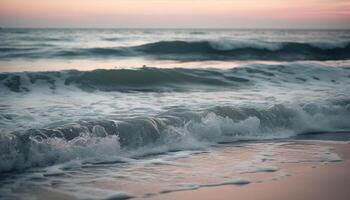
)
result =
(176, 13)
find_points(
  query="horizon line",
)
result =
(177, 28)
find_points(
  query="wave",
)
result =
(124, 80)
(149, 79)
(221, 50)
(176, 129)
(203, 50)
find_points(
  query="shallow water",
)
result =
(108, 117)
(236, 164)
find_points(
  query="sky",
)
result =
(325, 14)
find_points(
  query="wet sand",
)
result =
(325, 182)
(294, 170)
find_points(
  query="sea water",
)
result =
(91, 99)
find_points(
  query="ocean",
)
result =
(132, 107)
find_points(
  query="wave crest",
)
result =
(104, 140)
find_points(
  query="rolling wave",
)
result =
(201, 50)
(149, 79)
(142, 79)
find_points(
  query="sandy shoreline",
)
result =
(299, 171)
(328, 181)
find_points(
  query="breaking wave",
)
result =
(107, 139)
(177, 129)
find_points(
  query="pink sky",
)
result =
(176, 13)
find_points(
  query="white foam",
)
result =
(330, 44)
(58, 150)
(194, 186)
(330, 157)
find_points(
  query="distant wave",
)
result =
(203, 50)
(40, 38)
(217, 50)
(149, 79)
(14, 49)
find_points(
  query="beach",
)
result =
(174, 114)
(329, 181)
(298, 169)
